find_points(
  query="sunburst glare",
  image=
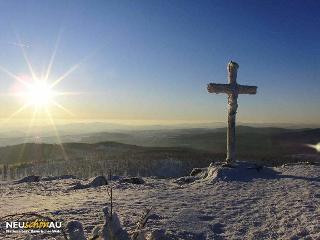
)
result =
(39, 94)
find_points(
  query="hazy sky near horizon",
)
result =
(151, 60)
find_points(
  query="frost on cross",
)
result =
(232, 89)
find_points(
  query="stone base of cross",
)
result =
(232, 89)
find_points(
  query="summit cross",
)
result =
(232, 89)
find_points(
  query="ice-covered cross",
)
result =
(232, 89)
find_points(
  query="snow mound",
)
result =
(240, 171)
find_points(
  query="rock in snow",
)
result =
(133, 180)
(75, 230)
(29, 179)
(95, 182)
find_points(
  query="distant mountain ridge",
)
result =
(72, 131)
(252, 142)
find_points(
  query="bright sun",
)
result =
(36, 91)
(39, 94)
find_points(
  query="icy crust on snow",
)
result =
(280, 204)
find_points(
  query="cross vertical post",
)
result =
(233, 89)
(232, 111)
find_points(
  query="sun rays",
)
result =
(38, 92)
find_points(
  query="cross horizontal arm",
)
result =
(244, 89)
(231, 89)
(219, 88)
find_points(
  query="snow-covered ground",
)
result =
(279, 206)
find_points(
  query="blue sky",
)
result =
(151, 60)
